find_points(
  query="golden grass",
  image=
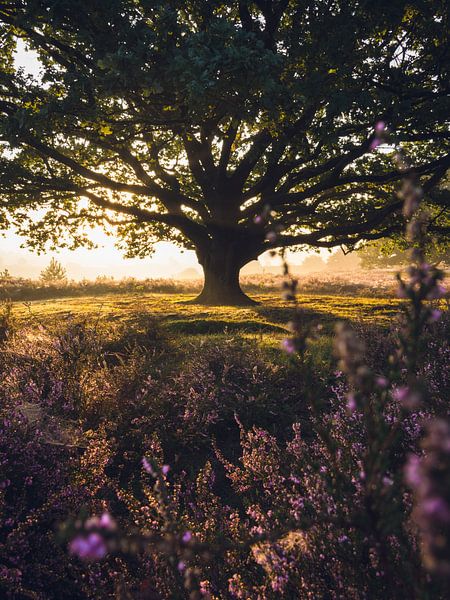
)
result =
(270, 316)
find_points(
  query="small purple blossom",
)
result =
(401, 393)
(186, 537)
(90, 547)
(382, 382)
(380, 127)
(288, 345)
(428, 478)
(103, 522)
(408, 398)
(351, 402)
(107, 522)
(148, 467)
(435, 315)
(412, 470)
(437, 508)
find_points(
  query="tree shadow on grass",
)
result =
(284, 314)
(216, 326)
(265, 319)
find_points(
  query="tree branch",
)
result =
(195, 232)
(349, 229)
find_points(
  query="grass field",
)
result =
(270, 316)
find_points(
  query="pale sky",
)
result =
(167, 261)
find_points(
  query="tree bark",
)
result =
(221, 264)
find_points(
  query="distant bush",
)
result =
(27, 289)
(53, 274)
(376, 283)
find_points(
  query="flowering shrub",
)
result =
(247, 508)
(429, 478)
(36, 492)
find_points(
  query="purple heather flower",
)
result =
(428, 476)
(382, 382)
(408, 398)
(92, 523)
(187, 537)
(103, 522)
(91, 547)
(437, 508)
(380, 127)
(148, 467)
(411, 202)
(181, 566)
(258, 220)
(288, 345)
(107, 522)
(435, 315)
(351, 402)
(165, 469)
(375, 143)
(412, 471)
(401, 393)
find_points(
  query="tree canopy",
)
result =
(227, 127)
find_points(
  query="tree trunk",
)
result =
(221, 265)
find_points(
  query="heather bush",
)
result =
(270, 468)
(41, 483)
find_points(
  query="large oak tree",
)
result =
(228, 127)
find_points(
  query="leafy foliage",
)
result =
(392, 252)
